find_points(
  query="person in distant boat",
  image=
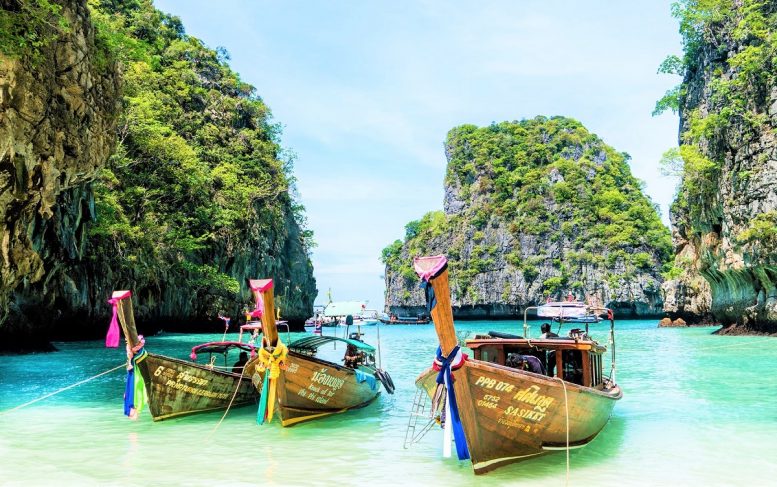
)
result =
(353, 357)
(546, 333)
(241, 362)
(571, 297)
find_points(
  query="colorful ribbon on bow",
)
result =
(271, 363)
(258, 310)
(444, 365)
(135, 390)
(112, 338)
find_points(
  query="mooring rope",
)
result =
(234, 394)
(566, 412)
(63, 389)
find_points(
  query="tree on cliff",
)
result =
(199, 194)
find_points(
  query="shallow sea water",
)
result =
(697, 409)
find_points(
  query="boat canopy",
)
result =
(568, 309)
(314, 342)
(344, 308)
(578, 319)
(220, 347)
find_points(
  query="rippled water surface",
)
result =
(697, 410)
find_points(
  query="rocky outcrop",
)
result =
(726, 214)
(687, 295)
(57, 128)
(669, 323)
(535, 209)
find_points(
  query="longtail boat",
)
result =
(301, 385)
(174, 387)
(518, 397)
(406, 320)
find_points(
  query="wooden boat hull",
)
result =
(510, 415)
(310, 388)
(177, 387)
(405, 322)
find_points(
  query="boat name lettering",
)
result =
(196, 390)
(514, 424)
(187, 377)
(530, 396)
(497, 385)
(327, 380)
(292, 368)
(529, 414)
(314, 395)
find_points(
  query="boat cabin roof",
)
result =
(312, 343)
(221, 347)
(560, 343)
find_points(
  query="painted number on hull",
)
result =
(532, 407)
(494, 384)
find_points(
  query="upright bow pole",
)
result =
(433, 272)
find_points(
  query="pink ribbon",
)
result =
(258, 307)
(112, 338)
(428, 267)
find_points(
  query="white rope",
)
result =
(566, 412)
(234, 394)
(63, 389)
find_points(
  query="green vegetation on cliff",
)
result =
(199, 175)
(725, 209)
(550, 183)
(738, 86)
(29, 26)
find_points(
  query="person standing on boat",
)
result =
(353, 357)
(241, 362)
(546, 333)
(571, 297)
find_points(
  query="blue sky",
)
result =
(367, 90)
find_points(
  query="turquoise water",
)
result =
(697, 409)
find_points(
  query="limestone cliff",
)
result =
(535, 209)
(57, 128)
(193, 197)
(725, 216)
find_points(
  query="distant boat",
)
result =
(406, 320)
(176, 387)
(568, 312)
(517, 398)
(298, 383)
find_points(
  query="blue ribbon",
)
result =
(129, 392)
(445, 377)
(431, 301)
(129, 388)
(262, 411)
